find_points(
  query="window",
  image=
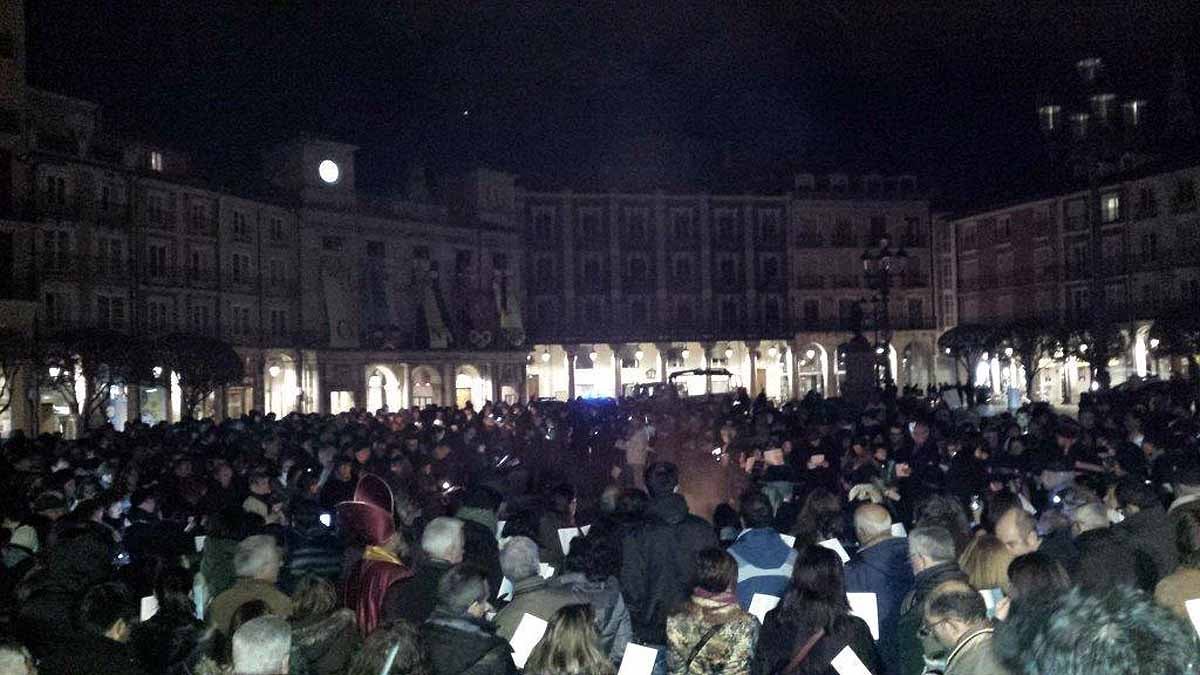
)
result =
(729, 313)
(812, 312)
(768, 225)
(1184, 198)
(948, 310)
(878, 228)
(1004, 267)
(421, 252)
(110, 254)
(158, 315)
(728, 270)
(55, 305)
(240, 267)
(376, 249)
(725, 225)
(462, 262)
(1042, 259)
(683, 269)
(500, 262)
(1003, 228)
(275, 228)
(968, 237)
(683, 313)
(110, 312)
(277, 321)
(156, 161)
(636, 219)
(771, 312)
(1078, 262)
(154, 207)
(912, 231)
(1147, 202)
(1110, 207)
(543, 222)
(637, 313)
(156, 260)
(57, 250)
(240, 230)
(682, 225)
(56, 190)
(199, 214)
(589, 222)
(1149, 246)
(591, 273)
(200, 317)
(239, 320)
(276, 270)
(1076, 214)
(105, 197)
(846, 311)
(637, 271)
(335, 244)
(1078, 302)
(916, 313)
(947, 269)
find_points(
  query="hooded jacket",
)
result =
(910, 653)
(464, 646)
(612, 616)
(764, 564)
(883, 569)
(656, 566)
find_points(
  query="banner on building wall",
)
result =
(435, 320)
(339, 308)
(508, 306)
(377, 299)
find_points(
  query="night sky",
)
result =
(606, 94)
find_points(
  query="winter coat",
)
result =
(883, 569)
(46, 610)
(90, 654)
(727, 651)
(973, 655)
(465, 646)
(783, 635)
(1149, 530)
(536, 596)
(1107, 559)
(764, 564)
(216, 564)
(316, 551)
(414, 599)
(656, 564)
(480, 546)
(613, 625)
(910, 654)
(171, 642)
(325, 644)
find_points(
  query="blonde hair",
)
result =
(985, 560)
(569, 646)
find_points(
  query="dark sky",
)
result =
(614, 93)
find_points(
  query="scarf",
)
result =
(381, 555)
(725, 597)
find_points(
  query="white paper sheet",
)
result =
(788, 539)
(566, 535)
(545, 570)
(760, 604)
(898, 530)
(149, 607)
(200, 543)
(836, 546)
(848, 663)
(500, 528)
(638, 660)
(866, 607)
(1193, 612)
(506, 589)
(529, 632)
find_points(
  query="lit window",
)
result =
(1110, 208)
(156, 161)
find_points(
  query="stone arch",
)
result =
(426, 386)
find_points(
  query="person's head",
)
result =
(260, 483)
(443, 540)
(755, 510)
(715, 571)
(872, 523)
(519, 559)
(463, 591)
(1036, 575)
(944, 510)
(313, 597)
(482, 497)
(817, 578)
(1134, 495)
(173, 590)
(1018, 531)
(1091, 516)
(262, 646)
(661, 479)
(562, 499)
(953, 610)
(1186, 525)
(107, 610)
(393, 650)
(930, 546)
(595, 557)
(986, 561)
(258, 557)
(920, 432)
(15, 659)
(1111, 633)
(570, 645)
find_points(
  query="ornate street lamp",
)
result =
(880, 265)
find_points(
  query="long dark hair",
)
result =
(819, 519)
(817, 593)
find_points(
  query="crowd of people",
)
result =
(710, 530)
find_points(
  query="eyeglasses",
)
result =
(926, 629)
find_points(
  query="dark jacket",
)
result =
(462, 646)
(781, 637)
(910, 655)
(317, 551)
(883, 569)
(216, 563)
(414, 599)
(91, 654)
(47, 612)
(326, 644)
(1149, 530)
(171, 642)
(613, 626)
(1106, 559)
(480, 546)
(656, 565)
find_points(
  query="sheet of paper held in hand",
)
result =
(836, 546)
(529, 632)
(1193, 612)
(638, 660)
(866, 607)
(848, 663)
(567, 534)
(760, 604)
(149, 607)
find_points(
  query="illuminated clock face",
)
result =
(329, 171)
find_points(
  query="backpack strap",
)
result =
(687, 666)
(804, 651)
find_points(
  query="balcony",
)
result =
(160, 220)
(201, 278)
(110, 269)
(810, 281)
(808, 240)
(846, 281)
(845, 240)
(62, 267)
(202, 227)
(160, 275)
(50, 205)
(281, 288)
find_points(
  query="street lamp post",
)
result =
(879, 266)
